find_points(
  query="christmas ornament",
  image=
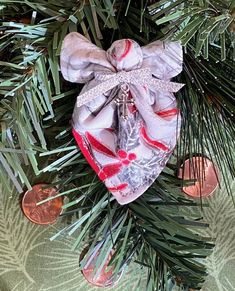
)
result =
(105, 278)
(45, 213)
(204, 172)
(126, 121)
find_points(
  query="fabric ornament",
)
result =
(126, 120)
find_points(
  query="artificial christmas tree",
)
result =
(37, 105)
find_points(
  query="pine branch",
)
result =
(144, 227)
(206, 23)
(37, 104)
(207, 107)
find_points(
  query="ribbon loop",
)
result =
(123, 77)
(138, 77)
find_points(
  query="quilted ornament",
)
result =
(126, 120)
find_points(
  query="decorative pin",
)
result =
(124, 100)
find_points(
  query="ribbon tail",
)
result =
(165, 86)
(98, 90)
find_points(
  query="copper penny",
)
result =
(45, 213)
(204, 172)
(105, 277)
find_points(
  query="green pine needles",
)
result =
(155, 231)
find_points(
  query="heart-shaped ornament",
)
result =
(126, 121)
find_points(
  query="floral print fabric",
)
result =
(128, 155)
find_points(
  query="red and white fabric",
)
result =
(127, 155)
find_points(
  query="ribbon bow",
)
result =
(139, 77)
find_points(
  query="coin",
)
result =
(204, 172)
(105, 277)
(45, 213)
